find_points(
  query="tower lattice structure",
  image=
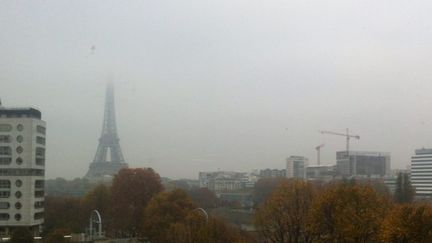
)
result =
(109, 158)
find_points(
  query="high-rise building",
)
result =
(22, 169)
(421, 172)
(363, 164)
(296, 167)
(109, 157)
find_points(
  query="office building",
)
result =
(22, 169)
(320, 172)
(272, 173)
(421, 172)
(296, 167)
(223, 181)
(363, 164)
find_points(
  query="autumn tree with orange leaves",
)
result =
(131, 191)
(408, 223)
(172, 217)
(284, 216)
(348, 213)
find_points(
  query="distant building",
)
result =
(223, 181)
(272, 173)
(363, 164)
(320, 172)
(421, 172)
(22, 169)
(296, 167)
(390, 180)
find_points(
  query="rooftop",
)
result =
(15, 112)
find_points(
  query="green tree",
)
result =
(404, 192)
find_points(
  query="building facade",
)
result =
(22, 169)
(296, 167)
(223, 181)
(320, 172)
(272, 173)
(421, 172)
(363, 164)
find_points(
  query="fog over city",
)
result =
(229, 85)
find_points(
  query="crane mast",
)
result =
(348, 136)
(318, 149)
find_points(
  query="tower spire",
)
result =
(109, 158)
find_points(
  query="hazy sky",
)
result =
(229, 84)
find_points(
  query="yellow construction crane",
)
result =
(318, 149)
(348, 136)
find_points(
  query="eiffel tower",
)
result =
(109, 158)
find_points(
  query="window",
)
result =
(20, 139)
(40, 161)
(39, 204)
(19, 160)
(5, 139)
(40, 140)
(22, 172)
(5, 150)
(19, 150)
(5, 184)
(39, 184)
(41, 129)
(40, 152)
(5, 161)
(18, 183)
(18, 205)
(18, 194)
(39, 193)
(20, 127)
(4, 194)
(4, 205)
(4, 216)
(39, 215)
(5, 128)
(17, 217)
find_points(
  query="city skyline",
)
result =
(232, 88)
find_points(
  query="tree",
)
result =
(131, 191)
(284, 216)
(203, 197)
(264, 187)
(57, 236)
(172, 217)
(404, 192)
(98, 199)
(197, 229)
(408, 223)
(21, 235)
(348, 213)
(164, 210)
(65, 213)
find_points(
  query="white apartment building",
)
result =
(421, 172)
(296, 167)
(22, 169)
